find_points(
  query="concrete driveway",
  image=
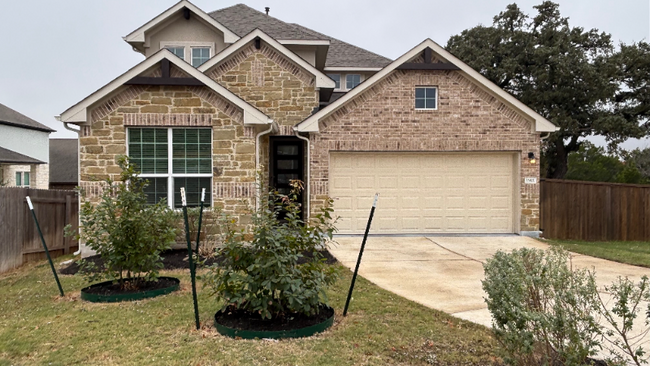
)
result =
(445, 273)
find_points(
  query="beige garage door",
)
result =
(424, 192)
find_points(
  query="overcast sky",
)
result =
(55, 53)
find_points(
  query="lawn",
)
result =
(631, 252)
(38, 327)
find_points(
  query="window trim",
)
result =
(346, 81)
(426, 87)
(339, 82)
(343, 87)
(170, 156)
(20, 175)
(188, 48)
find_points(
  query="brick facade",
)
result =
(383, 118)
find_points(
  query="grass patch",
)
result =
(38, 327)
(631, 252)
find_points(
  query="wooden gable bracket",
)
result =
(165, 79)
(428, 64)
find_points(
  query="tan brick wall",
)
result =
(233, 153)
(383, 118)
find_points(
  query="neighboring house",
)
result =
(24, 150)
(222, 95)
(64, 167)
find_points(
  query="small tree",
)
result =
(128, 234)
(261, 273)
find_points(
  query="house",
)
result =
(224, 94)
(24, 145)
(64, 168)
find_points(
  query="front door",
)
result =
(287, 163)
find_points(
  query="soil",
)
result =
(177, 259)
(243, 320)
(110, 288)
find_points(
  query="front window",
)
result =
(22, 179)
(171, 158)
(178, 51)
(426, 98)
(352, 80)
(200, 55)
(337, 80)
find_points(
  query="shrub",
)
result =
(128, 234)
(260, 272)
(542, 309)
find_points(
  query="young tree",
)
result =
(572, 77)
(591, 163)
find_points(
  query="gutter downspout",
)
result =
(307, 190)
(67, 127)
(257, 157)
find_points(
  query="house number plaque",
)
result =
(529, 180)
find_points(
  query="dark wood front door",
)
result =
(287, 163)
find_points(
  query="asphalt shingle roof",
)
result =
(63, 161)
(10, 117)
(242, 19)
(11, 157)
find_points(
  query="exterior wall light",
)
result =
(531, 158)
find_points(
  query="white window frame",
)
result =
(22, 179)
(339, 75)
(188, 48)
(426, 87)
(170, 156)
(346, 80)
(343, 87)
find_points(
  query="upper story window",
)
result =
(426, 97)
(352, 80)
(171, 158)
(195, 53)
(337, 80)
(178, 51)
(200, 55)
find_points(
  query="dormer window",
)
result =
(195, 53)
(352, 80)
(337, 80)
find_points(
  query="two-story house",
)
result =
(220, 96)
(24, 150)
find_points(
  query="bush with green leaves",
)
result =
(543, 310)
(125, 231)
(261, 274)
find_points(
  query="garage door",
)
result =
(424, 192)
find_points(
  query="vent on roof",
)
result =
(267, 10)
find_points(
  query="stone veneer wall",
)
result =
(383, 118)
(233, 145)
(39, 175)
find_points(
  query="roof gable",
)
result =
(322, 80)
(79, 112)
(11, 117)
(11, 157)
(311, 124)
(138, 35)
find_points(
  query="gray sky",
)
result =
(81, 40)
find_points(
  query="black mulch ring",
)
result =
(111, 288)
(177, 259)
(243, 320)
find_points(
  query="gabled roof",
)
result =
(10, 117)
(322, 80)
(138, 35)
(78, 113)
(310, 124)
(242, 20)
(63, 161)
(11, 157)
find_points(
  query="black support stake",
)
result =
(191, 254)
(47, 252)
(363, 245)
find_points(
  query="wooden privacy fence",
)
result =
(594, 211)
(19, 239)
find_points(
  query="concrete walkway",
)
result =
(445, 273)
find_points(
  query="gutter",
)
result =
(67, 127)
(308, 183)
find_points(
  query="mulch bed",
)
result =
(177, 259)
(243, 320)
(115, 289)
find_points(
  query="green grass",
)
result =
(631, 252)
(39, 328)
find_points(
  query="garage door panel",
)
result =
(424, 193)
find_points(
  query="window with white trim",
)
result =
(337, 80)
(22, 179)
(200, 55)
(171, 158)
(177, 50)
(352, 80)
(426, 97)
